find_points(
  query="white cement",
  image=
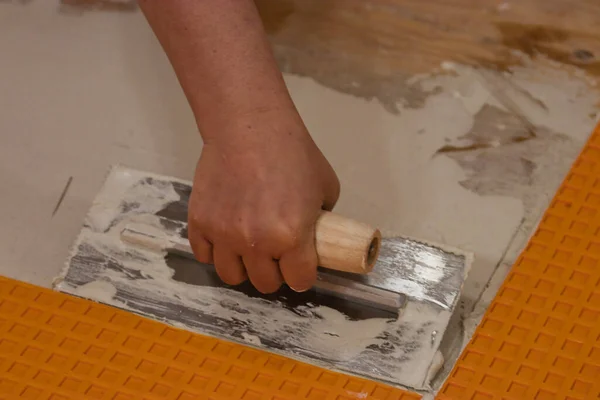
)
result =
(102, 291)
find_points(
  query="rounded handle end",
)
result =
(346, 245)
(373, 251)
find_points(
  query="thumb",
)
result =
(298, 266)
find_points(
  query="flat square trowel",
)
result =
(380, 307)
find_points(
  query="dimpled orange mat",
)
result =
(540, 337)
(55, 347)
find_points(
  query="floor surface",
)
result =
(459, 137)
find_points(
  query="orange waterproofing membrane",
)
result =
(56, 347)
(540, 337)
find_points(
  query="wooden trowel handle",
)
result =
(344, 244)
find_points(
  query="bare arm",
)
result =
(222, 58)
(261, 181)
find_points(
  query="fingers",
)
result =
(237, 261)
(202, 248)
(299, 266)
(263, 272)
(229, 266)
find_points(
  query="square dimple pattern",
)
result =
(54, 346)
(540, 338)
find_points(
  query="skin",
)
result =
(261, 181)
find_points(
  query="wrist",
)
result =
(254, 126)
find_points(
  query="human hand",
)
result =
(258, 190)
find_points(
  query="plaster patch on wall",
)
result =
(502, 157)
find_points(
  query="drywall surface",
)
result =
(472, 163)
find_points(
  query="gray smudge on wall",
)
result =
(503, 157)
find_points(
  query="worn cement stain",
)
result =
(503, 159)
(394, 92)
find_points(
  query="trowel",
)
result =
(379, 308)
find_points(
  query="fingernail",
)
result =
(299, 290)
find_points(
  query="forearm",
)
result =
(222, 59)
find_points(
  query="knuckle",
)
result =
(287, 234)
(197, 220)
(219, 227)
(247, 234)
(213, 227)
(253, 234)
